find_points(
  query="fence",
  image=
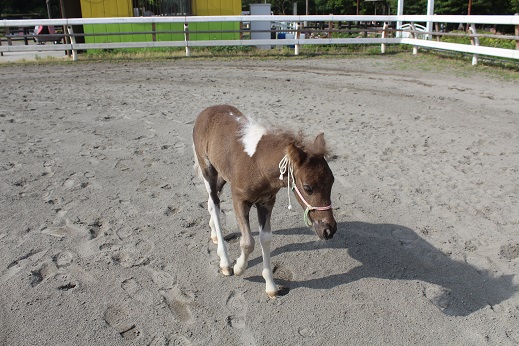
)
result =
(383, 30)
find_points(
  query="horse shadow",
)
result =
(395, 252)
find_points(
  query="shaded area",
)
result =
(395, 252)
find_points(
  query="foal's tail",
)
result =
(196, 166)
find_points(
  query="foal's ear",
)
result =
(320, 144)
(319, 141)
(296, 154)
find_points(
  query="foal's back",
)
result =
(216, 138)
(217, 122)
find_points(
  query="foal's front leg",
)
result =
(242, 209)
(264, 213)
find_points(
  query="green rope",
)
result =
(307, 220)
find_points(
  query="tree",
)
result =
(18, 7)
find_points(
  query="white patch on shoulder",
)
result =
(251, 135)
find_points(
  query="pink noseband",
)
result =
(308, 206)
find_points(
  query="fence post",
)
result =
(298, 36)
(72, 39)
(330, 27)
(186, 38)
(474, 40)
(413, 36)
(384, 35)
(517, 34)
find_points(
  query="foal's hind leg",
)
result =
(264, 214)
(213, 186)
(219, 186)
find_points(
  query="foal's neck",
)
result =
(273, 146)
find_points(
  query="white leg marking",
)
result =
(265, 240)
(214, 238)
(214, 210)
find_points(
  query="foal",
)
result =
(257, 163)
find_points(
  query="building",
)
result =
(163, 31)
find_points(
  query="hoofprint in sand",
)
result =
(105, 239)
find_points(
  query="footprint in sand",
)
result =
(237, 305)
(63, 259)
(65, 282)
(134, 253)
(174, 339)
(69, 182)
(41, 274)
(406, 238)
(96, 228)
(121, 247)
(214, 260)
(55, 270)
(135, 290)
(163, 280)
(64, 227)
(283, 276)
(20, 263)
(179, 301)
(10, 166)
(179, 340)
(510, 251)
(180, 147)
(172, 210)
(117, 318)
(124, 164)
(440, 296)
(237, 318)
(47, 168)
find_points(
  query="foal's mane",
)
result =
(312, 146)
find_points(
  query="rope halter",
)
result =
(284, 167)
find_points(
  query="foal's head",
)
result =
(314, 180)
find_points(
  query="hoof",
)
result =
(238, 271)
(227, 271)
(272, 295)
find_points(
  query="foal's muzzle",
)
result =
(324, 229)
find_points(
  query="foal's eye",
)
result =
(308, 189)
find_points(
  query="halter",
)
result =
(285, 165)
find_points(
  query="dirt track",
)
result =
(104, 237)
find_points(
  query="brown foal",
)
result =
(257, 162)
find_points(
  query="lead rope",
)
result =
(284, 166)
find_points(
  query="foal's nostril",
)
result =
(327, 233)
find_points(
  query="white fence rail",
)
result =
(387, 30)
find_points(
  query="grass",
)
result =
(426, 60)
(458, 64)
(235, 52)
(483, 41)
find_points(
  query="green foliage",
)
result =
(483, 41)
(446, 7)
(217, 50)
(10, 7)
(459, 7)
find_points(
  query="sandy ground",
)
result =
(104, 238)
